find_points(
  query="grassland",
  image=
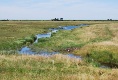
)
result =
(96, 43)
(57, 67)
(13, 30)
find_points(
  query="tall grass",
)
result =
(57, 67)
(102, 48)
(77, 37)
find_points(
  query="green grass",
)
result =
(11, 31)
(85, 36)
(75, 38)
(96, 43)
(104, 57)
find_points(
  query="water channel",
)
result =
(27, 50)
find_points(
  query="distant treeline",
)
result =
(24, 20)
(63, 20)
(4, 20)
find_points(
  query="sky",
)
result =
(67, 9)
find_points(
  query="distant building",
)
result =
(57, 19)
(61, 19)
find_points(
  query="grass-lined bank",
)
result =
(11, 31)
(77, 37)
(57, 67)
(97, 42)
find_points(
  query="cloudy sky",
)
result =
(67, 9)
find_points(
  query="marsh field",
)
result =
(96, 43)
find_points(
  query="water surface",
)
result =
(27, 50)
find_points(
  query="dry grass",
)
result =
(97, 31)
(79, 37)
(101, 44)
(57, 67)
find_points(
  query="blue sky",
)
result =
(67, 9)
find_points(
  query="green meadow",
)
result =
(96, 43)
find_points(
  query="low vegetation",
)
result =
(11, 31)
(96, 44)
